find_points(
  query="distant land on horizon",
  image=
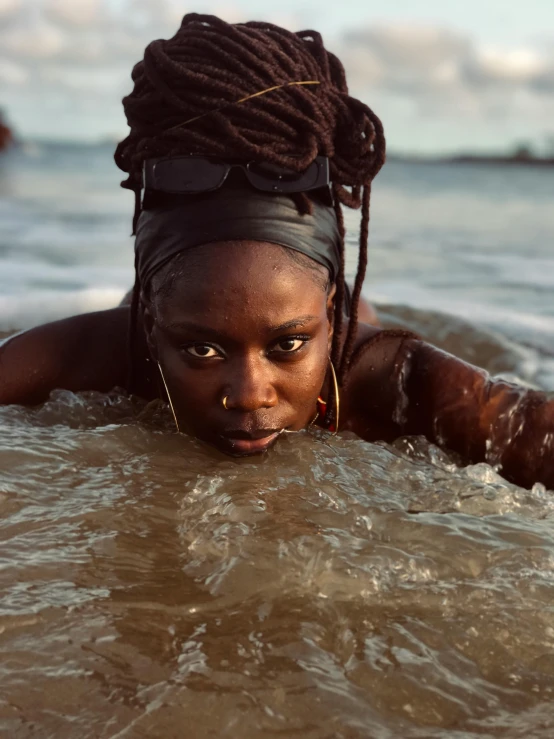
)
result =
(521, 155)
(468, 158)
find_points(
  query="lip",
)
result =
(242, 444)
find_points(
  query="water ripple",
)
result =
(331, 589)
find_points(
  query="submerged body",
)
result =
(244, 147)
(153, 583)
(259, 338)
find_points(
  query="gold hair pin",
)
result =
(242, 100)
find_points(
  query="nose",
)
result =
(251, 386)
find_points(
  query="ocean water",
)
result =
(335, 588)
(473, 242)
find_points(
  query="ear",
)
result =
(149, 329)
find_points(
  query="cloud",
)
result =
(33, 41)
(8, 8)
(66, 64)
(83, 30)
(404, 60)
(438, 70)
(75, 13)
(62, 59)
(12, 74)
(86, 34)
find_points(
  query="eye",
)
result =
(290, 345)
(201, 351)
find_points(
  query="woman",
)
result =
(244, 146)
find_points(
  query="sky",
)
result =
(443, 75)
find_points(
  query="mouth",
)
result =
(243, 443)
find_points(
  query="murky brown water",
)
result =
(152, 588)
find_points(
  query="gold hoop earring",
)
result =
(169, 398)
(224, 402)
(323, 404)
(337, 396)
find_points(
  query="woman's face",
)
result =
(244, 323)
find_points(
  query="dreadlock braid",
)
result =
(186, 101)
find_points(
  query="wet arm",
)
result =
(461, 408)
(87, 352)
(413, 388)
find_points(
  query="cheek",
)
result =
(302, 381)
(192, 392)
(195, 396)
(306, 377)
(193, 387)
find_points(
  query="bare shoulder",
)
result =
(86, 352)
(370, 392)
(374, 353)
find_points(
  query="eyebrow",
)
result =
(295, 323)
(298, 322)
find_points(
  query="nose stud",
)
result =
(224, 402)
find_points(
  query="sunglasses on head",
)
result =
(192, 175)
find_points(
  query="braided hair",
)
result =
(188, 98)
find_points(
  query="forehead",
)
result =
(239, 283)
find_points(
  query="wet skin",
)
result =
(242, 322)
(250, 324)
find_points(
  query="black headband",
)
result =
(233, 214)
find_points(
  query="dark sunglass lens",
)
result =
(269, 177)
(189, 175)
